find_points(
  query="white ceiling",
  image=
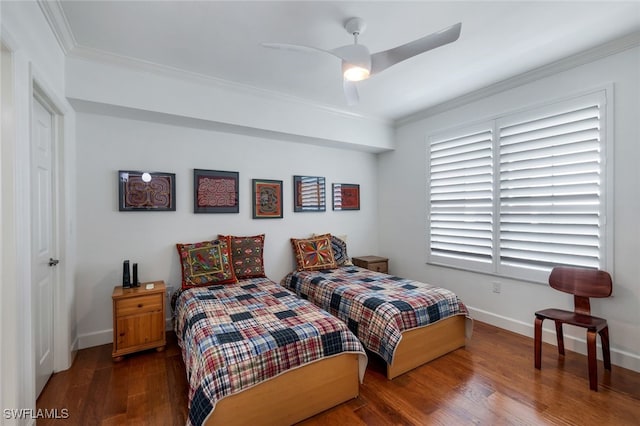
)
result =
(222, 40)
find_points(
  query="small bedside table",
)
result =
(373, 263)
(138, 319)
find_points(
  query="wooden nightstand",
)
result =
(138, 319)
(374, 263)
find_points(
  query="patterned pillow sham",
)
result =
(339, 246)
(206, 263)
(314, 253)
(247, 256)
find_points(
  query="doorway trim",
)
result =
(9, 359)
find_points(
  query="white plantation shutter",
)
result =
(520, 194)
(551, 183)
(461, 198)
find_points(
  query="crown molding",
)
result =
(602, 51)
(53, 13)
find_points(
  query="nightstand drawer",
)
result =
(139, 305)
(373, 263)
(378, 267)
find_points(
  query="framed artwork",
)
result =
(215, 191)
(309, 194)
(267, 199)
(346, 196)
(146, 191)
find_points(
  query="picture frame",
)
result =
(267, 199)
(215, 191)
(345, 196)
(309, 194)
(146, 191)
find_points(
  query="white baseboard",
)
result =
(95, 338)
(104, 337)
(571, 343)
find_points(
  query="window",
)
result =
(461, 198)
(516, 195)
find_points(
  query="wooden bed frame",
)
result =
(292, 396)
(421, 345)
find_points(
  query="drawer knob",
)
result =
(140, 305)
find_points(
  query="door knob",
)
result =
(53, 262)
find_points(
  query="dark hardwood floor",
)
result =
(491, 381)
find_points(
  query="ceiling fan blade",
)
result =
(296, 48)
(351, 92)
(385, 59)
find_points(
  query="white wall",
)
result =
(33, 58)
(107, 142)
(402, 201)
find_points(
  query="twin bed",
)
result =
(405, 322)
(290, 351)
(255, 351)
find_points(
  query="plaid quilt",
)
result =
(235, 336)
(376, 307)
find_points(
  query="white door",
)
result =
(42, 235)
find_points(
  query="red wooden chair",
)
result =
(583, 284)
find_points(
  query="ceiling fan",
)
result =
(359, 64)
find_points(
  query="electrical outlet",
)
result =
(497, 286)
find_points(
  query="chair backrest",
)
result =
(582, 283)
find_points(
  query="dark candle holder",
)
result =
(135, 282)
(126, 276)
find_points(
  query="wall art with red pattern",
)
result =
(215, 191)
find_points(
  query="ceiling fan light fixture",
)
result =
(356, 62)
(355, 73)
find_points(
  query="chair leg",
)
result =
(560, 337)
(606, 353)
(593, 363)
(537, 339)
